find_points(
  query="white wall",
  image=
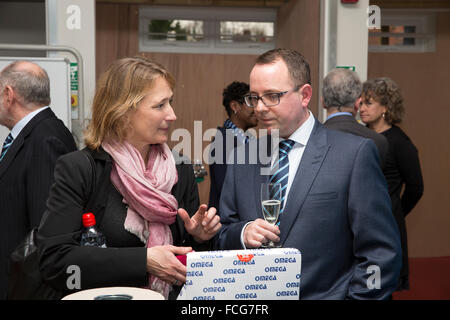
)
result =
(352, 35)
(344, 39)
(72, 23)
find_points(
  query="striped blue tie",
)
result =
(281, 168)
(8, 142)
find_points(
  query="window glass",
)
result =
(244, 31)
(175, 30)
(414, 32)
(397, 37)
(206, 29)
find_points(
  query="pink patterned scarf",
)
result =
(146, 190)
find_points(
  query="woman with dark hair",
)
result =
(151, 213)
(240, 118)
(381, 109)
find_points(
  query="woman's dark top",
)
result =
(123, 262)
(402, 170)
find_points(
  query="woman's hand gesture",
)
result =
(203, 225)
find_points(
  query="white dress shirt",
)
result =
(300, 137)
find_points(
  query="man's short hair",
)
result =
(341, 88)
(297, 65)
(32, 86)
(235, 91)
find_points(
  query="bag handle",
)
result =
(94, 178)
(99, 187)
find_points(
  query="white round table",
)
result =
(115, 293)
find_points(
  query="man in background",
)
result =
(341, 96)
(36, 139)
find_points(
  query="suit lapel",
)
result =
(20, 139)
(312, 159)
(11, 154)
(258, 180)
(260, 168)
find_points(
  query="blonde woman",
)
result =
(151, 213)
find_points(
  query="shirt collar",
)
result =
(302, 134)
(24, 121)
(339, 114)
(228, 124)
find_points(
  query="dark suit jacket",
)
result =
(123, 263)
(26, 174)
(338, 214)
(349, 124)
(220, 152)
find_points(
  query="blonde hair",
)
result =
(119, 90)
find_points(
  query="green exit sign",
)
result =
(353, 68)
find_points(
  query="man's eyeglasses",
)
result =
(269, 99)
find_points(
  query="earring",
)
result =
(383, 115)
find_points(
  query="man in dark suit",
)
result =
(232, 134)
(28, 156)
(336, 208)
(341, 96)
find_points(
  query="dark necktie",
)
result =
(281, 175)
(8, 142)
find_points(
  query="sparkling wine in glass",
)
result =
(271, 204)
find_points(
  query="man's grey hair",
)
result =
(33, 87)
(341, 88)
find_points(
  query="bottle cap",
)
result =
(88, 219)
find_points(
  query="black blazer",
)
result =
(26, 174)
(59, 233)
(218, 166)
(349, 124)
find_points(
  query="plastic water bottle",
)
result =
(91, 236)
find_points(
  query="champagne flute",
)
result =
(271, 204)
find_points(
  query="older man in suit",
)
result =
(36, 139)
(341, 96)
(336, 208)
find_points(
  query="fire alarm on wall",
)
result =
(349, 1)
